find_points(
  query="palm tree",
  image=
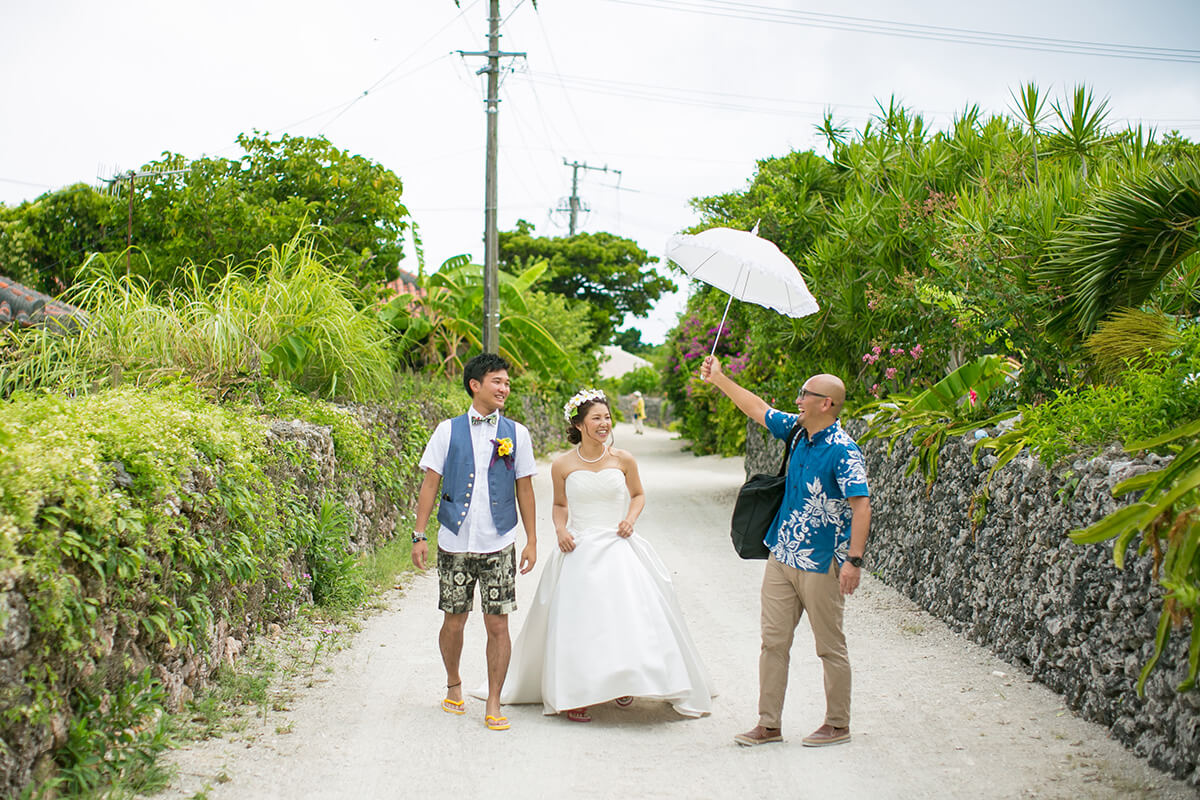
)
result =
(1031, 111)
(1082, 128)
(1115, 255)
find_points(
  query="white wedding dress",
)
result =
(605, 621)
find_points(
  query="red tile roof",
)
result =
(28, 308)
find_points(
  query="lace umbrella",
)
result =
(747, 267)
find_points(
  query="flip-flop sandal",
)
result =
(626, 701)
(579, 715)
(496, 723)
(454, 706)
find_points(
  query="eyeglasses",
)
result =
(807, 393)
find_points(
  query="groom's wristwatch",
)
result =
(855, 561)
(418, 537)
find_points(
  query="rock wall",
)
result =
(1014, 582)
(26, 751)
(658, 410)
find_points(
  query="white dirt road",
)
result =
(933, 714)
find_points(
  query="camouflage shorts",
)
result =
(496, 574)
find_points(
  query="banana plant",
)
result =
(1167, 518)
(940, 411)
(441, 325)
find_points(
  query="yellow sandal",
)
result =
(496, 723)
(454, 706)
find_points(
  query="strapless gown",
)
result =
(605, 621)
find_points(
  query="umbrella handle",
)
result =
(721, 327)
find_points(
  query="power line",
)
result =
(760, 13)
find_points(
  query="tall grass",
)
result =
(288, 316)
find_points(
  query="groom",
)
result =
(477, 528)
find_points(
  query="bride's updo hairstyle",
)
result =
(577, 408)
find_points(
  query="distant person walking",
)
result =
(479, 470)
(817, 541)
(639, 412)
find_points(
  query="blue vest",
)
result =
(459, 478)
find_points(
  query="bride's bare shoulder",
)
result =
(624, 456)
(562, 464)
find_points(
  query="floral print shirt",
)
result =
(813, 524)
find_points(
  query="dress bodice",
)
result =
(596, 499)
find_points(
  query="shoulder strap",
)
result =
(787, 449)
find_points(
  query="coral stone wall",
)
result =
(1015, 583)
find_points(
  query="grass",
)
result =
(288, 316)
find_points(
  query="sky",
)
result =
(678, 99)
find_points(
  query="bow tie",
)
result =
(490, 419)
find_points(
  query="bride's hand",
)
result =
(624, 529)
(566, 542)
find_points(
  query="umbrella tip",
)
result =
(754, 230)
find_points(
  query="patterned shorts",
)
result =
(496, 574)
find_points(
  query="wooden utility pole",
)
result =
(491, 237)
(573, 204)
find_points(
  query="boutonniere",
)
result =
(503, 450)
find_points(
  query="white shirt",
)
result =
(478, 533)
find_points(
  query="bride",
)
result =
(605, 623)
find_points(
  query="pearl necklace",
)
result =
(579, 453)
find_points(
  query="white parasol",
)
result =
(746, 266)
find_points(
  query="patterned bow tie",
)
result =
(490, 419)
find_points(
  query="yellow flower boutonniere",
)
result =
(504, 449)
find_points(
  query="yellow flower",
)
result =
(504, 447)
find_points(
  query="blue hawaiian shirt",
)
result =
(813, 523)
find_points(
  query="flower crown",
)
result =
(581, 397)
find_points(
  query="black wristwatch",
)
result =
(854, 561)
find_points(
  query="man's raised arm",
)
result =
(750, 404)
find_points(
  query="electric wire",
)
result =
(760, 13)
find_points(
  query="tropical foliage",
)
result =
(1167, 518)
(440, 327)
(614, 276)
(217, 213)
(928, 249)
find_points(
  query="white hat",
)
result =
(637, 394)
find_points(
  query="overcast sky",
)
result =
(680, 96)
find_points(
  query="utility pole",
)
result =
(491, 237)
(573, 204)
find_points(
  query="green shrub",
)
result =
(646, 380)
(1160, 393)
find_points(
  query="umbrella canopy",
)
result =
(746, 266)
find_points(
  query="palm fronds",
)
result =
(1115, 255)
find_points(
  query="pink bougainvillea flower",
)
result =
(972, 395)
(889, 373)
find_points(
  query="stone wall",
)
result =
(26, 751)
(1015, 583)
(658, 410)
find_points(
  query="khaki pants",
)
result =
(786, 594)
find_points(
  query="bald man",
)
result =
(817, 543)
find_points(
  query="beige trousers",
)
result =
(786, 594)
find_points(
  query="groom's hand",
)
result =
(420, 553)
(528, 557)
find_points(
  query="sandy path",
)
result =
(934, 715)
